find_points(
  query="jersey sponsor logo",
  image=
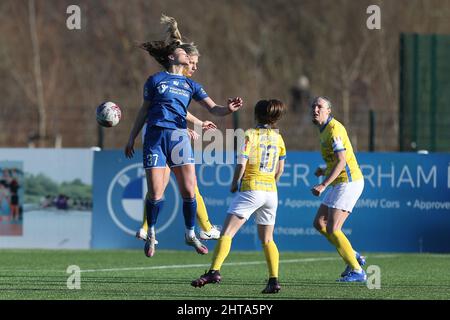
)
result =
(180, 92)
(162, 88)
(126, 195)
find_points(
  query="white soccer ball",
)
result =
(108, 114)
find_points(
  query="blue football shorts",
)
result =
(167, 146)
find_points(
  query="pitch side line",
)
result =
(177, 266)
(247, 263)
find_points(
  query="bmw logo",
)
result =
(126, 195)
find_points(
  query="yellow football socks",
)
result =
(323, 231)
(144, 219)
(272, 258)
(221, 252)
(345, 249)
(202, 213)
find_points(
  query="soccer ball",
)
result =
(108, 114)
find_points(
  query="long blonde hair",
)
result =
(160, 50)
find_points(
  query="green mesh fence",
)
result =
(424, 92)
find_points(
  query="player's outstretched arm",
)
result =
(138, 124)
(233, 105)
(206, 125)
(192, 134)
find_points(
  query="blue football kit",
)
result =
(166, 139)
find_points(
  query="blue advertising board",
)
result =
(405, 205)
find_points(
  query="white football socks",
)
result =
(190, 233)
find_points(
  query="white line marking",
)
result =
(247, 263)
(184, 266)
(177, 266)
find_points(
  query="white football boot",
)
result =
(212, 234)
(142, 235)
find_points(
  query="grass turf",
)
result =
(128, 274)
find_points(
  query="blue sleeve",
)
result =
(148, 89)
(199, 93)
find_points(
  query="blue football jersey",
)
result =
(169, 96)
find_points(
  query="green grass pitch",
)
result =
(128, 274)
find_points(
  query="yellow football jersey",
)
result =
(334, 138)
(263, 148)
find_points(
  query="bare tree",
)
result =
(51, 76)
(42, 118)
